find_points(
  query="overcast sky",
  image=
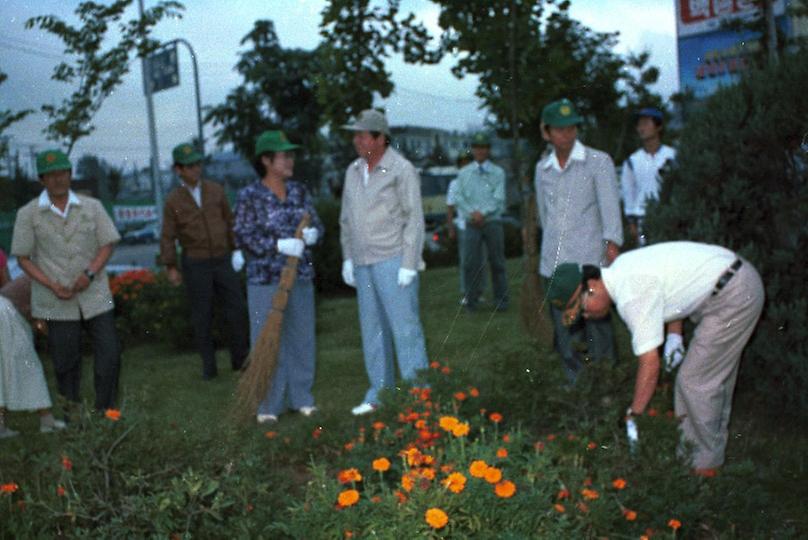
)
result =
(425, 95)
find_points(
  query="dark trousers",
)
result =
(64, 344)
(492, 234)
(585, 341)
(206, 281)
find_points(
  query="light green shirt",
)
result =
(63, 248)
(481, 188)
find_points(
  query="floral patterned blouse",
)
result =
(261, 219)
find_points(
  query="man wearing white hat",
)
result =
(382, 236)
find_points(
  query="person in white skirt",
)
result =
(22, 381)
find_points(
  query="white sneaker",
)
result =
(266, 418)
(364, 408)
(307, 411)
(56, 425)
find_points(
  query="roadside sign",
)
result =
(163, 69)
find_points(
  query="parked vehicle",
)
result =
(146, 234)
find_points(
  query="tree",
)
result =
(7, 118)
(357, 38)
(278, 92)
(95, 72)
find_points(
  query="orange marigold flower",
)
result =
(559, 508)
(420, 424)
(644, 537)
(379, 426)
(495, 417)
(113, 414)
(582, 507)
(271, 434)
(461, 429)
(349, 475)
(427, 472)
(590, 494)
(67, 464)
(592, 445)
(506, 438)
(348, 446)
(382, 464)
(674, 524)
(434, 364)
(436, 518)
(505, 489)
(563, 494)
(538, 446)
(401, 497)
(348, 534)
(618, 483)
(551, 437)
(448, 423)
(571, 437)
(11, 487)
(460, 396)
(317, 432)
(445, 370)
(60, 491)
(493, 475)
(407, 483)
(652, 412)
(630, 515)
(473, 392)
(375, 499)
(478, 468)
(502, 452)
(455, 482)
(349, 497)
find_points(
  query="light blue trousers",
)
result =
(294, 373)
(388, 318)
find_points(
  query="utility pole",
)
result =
(157, 182)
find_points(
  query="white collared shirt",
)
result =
(196, 192)
(640, 179)
(578, 153)
(45, 202)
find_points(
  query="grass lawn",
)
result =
(175, 426)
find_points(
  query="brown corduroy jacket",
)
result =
(203, 232)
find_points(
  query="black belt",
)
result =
(726, 276)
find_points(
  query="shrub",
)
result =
(736, 184)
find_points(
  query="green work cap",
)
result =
(186, 154)
(52, 160)
(565, 280)
(481, 138)
(560, 113)
(273, 141)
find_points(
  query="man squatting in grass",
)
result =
(382, 236)
(721, 292)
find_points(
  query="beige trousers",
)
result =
(706, 379)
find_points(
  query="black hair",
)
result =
(376, 134)
(589, 271)
(657, 121)
(258, 164)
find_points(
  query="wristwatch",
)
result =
(90, 274)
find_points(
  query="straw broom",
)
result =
(257, 374)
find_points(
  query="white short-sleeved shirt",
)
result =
(662, 283)
(639, 180)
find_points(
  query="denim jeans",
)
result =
(389, 319)
(294, 372)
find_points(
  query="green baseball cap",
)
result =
(560, 113)
(273, 141)
(52, 160)
(565, 280)
(481, 138)
(186, 154)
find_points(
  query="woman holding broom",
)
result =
(267, 215)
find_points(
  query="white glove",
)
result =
(674, 351)
(237, 260)
(347, 273)
(292, 247)
(405, 276)
(310, 235)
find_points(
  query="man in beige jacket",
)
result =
(63, 242)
